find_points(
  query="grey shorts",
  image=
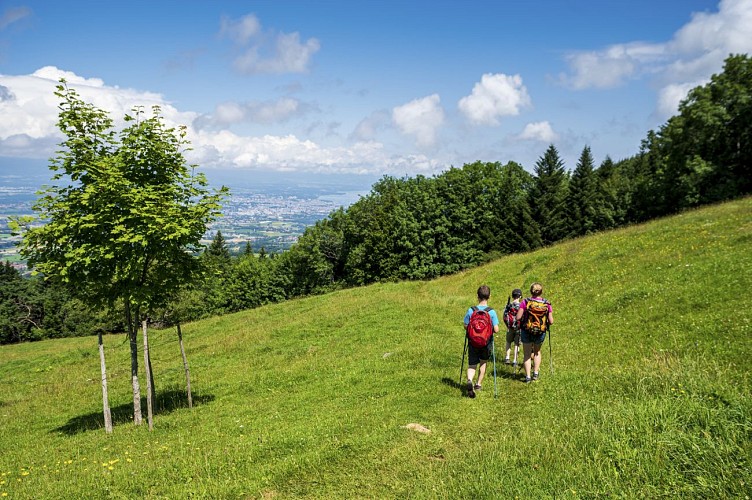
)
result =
(513, 337)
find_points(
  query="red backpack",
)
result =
(480, 327)
(510, 317)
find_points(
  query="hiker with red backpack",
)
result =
(535, 316)
(513, 327)
(481, 322)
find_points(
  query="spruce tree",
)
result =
(518, 230)
(218, 247)
(582, 196)
(548, 196)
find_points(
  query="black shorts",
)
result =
(475, 354)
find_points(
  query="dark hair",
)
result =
(516, 293)
(484, 292)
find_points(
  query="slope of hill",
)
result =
(648, 393)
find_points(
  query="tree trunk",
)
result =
(153, 387)
(149, 392)
(105, 397)
(132, 334)
(185, 365)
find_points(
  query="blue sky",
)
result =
(366, 88)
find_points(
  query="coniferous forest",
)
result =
(415, 228)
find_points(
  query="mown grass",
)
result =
(649, 397)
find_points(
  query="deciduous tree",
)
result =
(125, 215)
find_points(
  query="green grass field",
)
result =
(649, 396)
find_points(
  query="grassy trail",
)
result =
(650, 396)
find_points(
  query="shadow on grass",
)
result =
(502, 372)
(164, 402)
(455, 385)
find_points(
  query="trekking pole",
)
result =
(550, 351)
(462, 364)
(493, 350)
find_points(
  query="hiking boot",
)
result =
(506, 361)
(535, 376)
(477, 387)
(528, 380)
(470, 391)
(514, 365)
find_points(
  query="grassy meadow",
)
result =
(650, 394)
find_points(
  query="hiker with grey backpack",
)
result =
(535, 317)
(481, 322)
(513, 327)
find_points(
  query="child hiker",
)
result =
(513, 326)
(480, 354)
(535, 315)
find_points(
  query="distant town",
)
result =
(272, 222)
(269, 221)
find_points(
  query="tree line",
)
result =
(424, 227)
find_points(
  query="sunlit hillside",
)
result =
(645, 388)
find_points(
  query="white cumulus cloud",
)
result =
(671, 95)
(267, 53)
(240, 30)
(369, 127)
(496, 95)
(689, 58)
(420, 118)
(29, 108)
(29, 111)
(610, 67)
(538, 131)
(261, 112)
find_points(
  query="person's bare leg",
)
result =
(528, 350)
(481, 372)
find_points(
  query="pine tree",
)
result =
(218, 247)
(248, 249)
(582, 196)
(548, 196)
(517, 229)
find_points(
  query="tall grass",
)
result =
(649, 395)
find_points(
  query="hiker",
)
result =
(513, 326)
(480, 355)
(535, 315)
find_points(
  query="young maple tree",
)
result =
(124, 217)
